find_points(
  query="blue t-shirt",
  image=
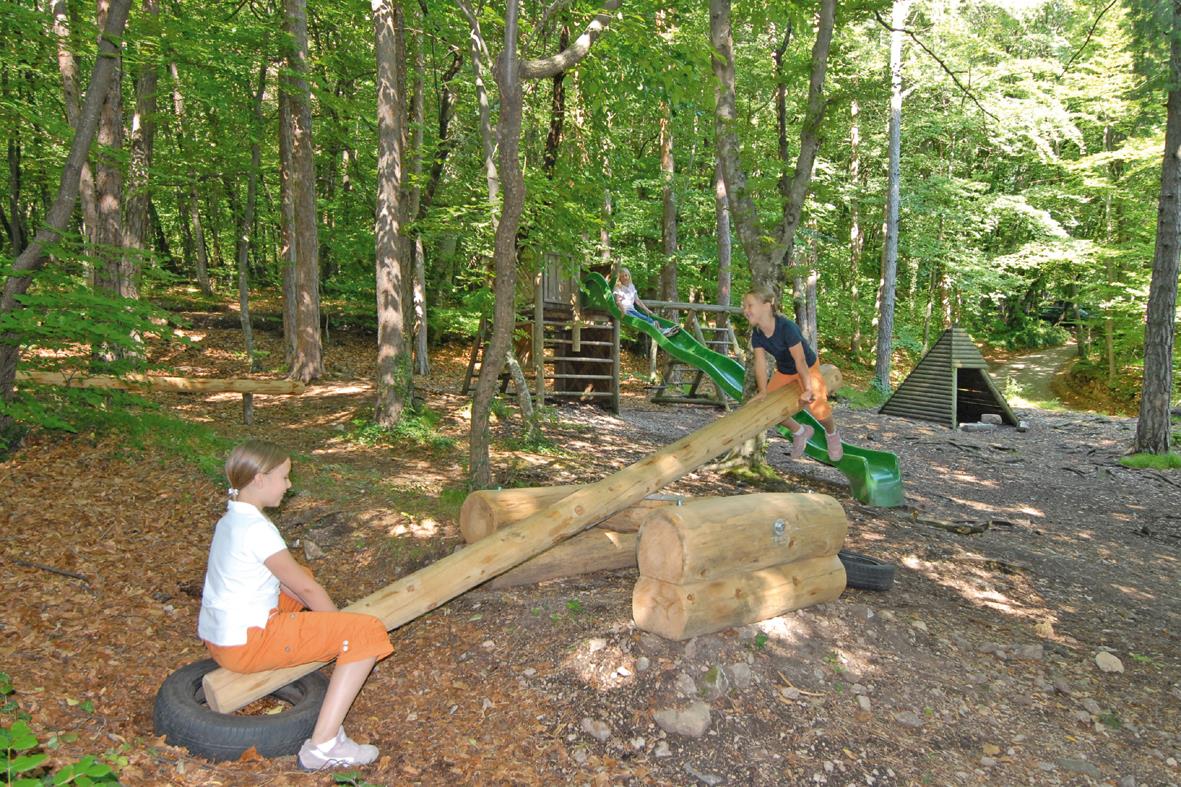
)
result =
(787, 335)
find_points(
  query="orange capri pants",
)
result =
(295, 635)
(819, 406)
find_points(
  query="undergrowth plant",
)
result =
(22, 761)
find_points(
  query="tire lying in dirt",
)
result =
(866, 573)
(184, 719)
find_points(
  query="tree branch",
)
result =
(569, 57)
(942, 65)
(1083, 46)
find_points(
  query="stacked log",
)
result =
(609, 546)
(715, 563)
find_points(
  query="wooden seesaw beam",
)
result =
(143, 382)
(443, 580)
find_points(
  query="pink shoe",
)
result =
(835, 449)
(344, 753)
(799, 440)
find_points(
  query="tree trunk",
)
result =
(34, 256)
(108, 185)
(767, 260)
(393, 365)
(68, 66)
(856, 233)
(308, 362)
(1153, 427)
(246, 223)
(668, 213)
(287, 228)
(192, 204)
(143, 135)
(885, 340)
(722, 221)
(524, 400)
(414, 207)
(592, 550)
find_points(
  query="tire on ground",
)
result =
(866, 573)
(184, 719)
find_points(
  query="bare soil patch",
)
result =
(979, 667)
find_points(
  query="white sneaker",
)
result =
(835, 449)
(799, 440)
(344, 752)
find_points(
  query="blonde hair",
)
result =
(251, 458)
(764, 295)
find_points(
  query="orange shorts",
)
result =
(295, 635)
(819, 406)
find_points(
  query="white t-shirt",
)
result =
(240, 591)
(626, 296)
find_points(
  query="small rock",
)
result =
(1062, 687)
(908, 719)
(705, 778)
(1091, 706)
(595, 644)
(858, 689)
(988, 762)
(920, 625)
(991, 418)
(740, 675)
(971, 427)
(714, 683)
(642, 664)
(991, 749)
(579, 755)
(311, 550)
(623, 671)
(637, 743)
(528, 672)
(1044, 629)
(1075, 765)
(1127, 781)
(1108, 663)
(685, 685)
(1023, 426)
(1031, 652)
(596, 728)
(1082, 716)
(887, 615)
(662, 750)
(692, 720)
(864, 702)
(790, 693)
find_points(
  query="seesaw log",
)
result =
(434, 585)
(714, 537)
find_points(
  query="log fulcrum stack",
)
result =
(487, 510)
(722, 562)
(422, 591)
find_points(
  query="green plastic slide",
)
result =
(874, 477)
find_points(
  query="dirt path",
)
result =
(1031, 375)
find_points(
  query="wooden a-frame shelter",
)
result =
(950, 385)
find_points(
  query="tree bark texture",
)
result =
(1153, 427)
(192, 201)
(856, 233)
(142, 142)
(108, 186)
(888, 285)
(393, 365)
(308, 363)
(68, 67)
(668, 213)
(34, 256)
(725, 247)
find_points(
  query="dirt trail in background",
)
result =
(1033, 373)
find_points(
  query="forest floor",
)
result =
(1026, 561)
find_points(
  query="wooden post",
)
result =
(682, 611)
(539, 337)
(488, 510)
(714, 537)
(434, 585)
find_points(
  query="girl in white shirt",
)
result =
(261, 610)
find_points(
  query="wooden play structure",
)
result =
(949, 385)
(570, 351)
(721, 562)
(143, 382)
(434, 585)
(682, 383)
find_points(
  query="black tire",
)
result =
(866, 573)
(184, 719)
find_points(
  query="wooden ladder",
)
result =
(677, 374)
